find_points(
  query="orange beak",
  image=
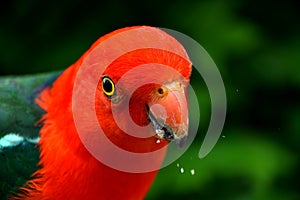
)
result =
(168, 114)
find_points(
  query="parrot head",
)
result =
(146, 90)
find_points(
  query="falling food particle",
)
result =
(181, 170)
(223, 136)
(157, 141)
(237, 90)
(192, 171)
(177, 164)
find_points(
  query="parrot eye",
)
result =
(108, 86)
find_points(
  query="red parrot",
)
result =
(68, 169)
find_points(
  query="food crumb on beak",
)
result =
(181, 142)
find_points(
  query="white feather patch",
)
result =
(12, 140)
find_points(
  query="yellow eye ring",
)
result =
(108, 86)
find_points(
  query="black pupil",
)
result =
(107, 85)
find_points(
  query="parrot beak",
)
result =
(169, 114)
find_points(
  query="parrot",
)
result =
(142, 74)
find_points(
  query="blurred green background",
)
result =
(255, 44)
